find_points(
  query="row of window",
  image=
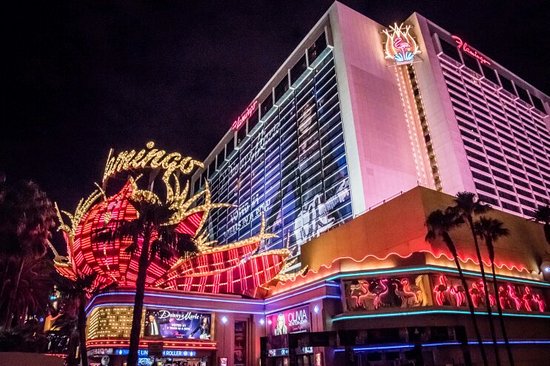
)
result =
(463, 58)
(291, 168)
(506, 142)
(302, 67)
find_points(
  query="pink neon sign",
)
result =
(239, 122)
(465, 47)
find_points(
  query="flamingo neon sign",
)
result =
(465, 47)
(400, 44)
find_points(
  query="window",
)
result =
(522, 93)
(484, 188)
(450, 50)
(537, 103)
(489, 74)
(281, 88)
(267, 104)
(316, 49)
(507, 84)
(229, 147)
(471, 63)
(253, 121)
(298, 69)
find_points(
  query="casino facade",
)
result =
(330, 173)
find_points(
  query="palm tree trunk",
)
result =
(486, 291)
(451, 247)
(138, 302)
(13, 293)
(500, 317)
(82, 330)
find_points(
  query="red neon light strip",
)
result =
(465, 47)
(237, 124)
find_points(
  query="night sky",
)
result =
(84, 76)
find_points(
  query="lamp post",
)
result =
(224, 321)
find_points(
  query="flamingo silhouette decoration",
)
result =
(407, 295)
(476, 294)
(440, 290)
(481, 287)
(356, 290)
(512, 294)
(537, 298)
(527, 298)
(459, 294)
(503, 297)
(378, 299)
(366, 300)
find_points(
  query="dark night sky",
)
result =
(84, 76)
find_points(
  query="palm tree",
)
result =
(466, 205)
(76, 295)
(157, 240)
(26, 218)
(439, 223)
(542, 215)
(31, 299)
(490, 230)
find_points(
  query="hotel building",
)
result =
(356, 138)
(340, 128)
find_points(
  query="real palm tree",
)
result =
(76, 294)
(490, 230)
(467, 205)
(542, 215)
(151, 238)
(439, 224)
(26, 218)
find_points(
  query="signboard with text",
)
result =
(290, 321)
(167, 323)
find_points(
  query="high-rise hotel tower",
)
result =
(361, 112)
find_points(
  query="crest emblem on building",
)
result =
(400, 45)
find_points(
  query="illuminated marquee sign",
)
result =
(465, 47)
(400, 45)
(291, 321)
(150, 157)
(244, 116)
(177, 324)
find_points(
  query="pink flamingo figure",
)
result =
(407, 295)
(366, 300)
(476, 294)
(459, 294)
(355, 292)
(385, 289)
(503, 297)
(540, 302)
(440, 290)
(527, 298)
(512, 295)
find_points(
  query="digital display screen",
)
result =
(167, 323)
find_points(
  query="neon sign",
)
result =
(400, 44)
(239, 122)
(150, 157)
(465, 47)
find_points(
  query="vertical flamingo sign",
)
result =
(400, 45)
